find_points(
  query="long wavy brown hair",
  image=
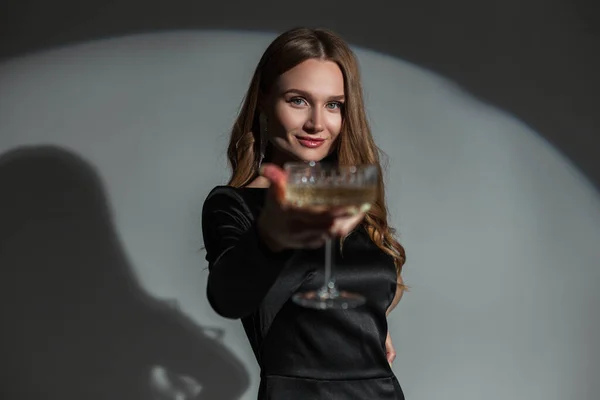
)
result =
(355, 141)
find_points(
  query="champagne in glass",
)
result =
(319, 187)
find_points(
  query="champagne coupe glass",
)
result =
(321, 186)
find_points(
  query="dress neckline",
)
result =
(252, 188)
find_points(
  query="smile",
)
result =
(311, 143)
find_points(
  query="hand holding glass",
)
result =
(321, 186)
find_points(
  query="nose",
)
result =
(314, 123)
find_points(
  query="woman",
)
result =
(304, 103)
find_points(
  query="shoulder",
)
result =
(222, 191)
(224, 205)
(236, 199)
(247, 197)
(222, 196)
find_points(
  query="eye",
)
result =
(297, 101)
(335, 105)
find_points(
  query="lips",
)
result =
(310, 142)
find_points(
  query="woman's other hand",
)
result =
(390, 352)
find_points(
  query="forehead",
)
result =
(318, 77)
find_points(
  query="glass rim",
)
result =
(302, 165)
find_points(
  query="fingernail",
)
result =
(338, 212)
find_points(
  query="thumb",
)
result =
(277, 177)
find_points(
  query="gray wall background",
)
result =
(488, 116)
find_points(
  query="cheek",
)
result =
(288, 119)
(334, 125)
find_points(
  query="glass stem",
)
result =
(329, 286)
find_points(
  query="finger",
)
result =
(389, 349)
(299, 230)
(391, 357)
(315, 243)
(308, 216)
(350, 211)
(343, 226)
(277, 177)
(273, 173)
(310, 213)
(297, 223)
(345, 211)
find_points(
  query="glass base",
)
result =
(322, 300)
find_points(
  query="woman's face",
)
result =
(304, 112)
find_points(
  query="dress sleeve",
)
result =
(242, 269)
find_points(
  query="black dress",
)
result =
(302, 353)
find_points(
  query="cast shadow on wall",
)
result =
(75, 322)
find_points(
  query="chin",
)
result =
(312, 155)
(313, 158)
(299, 154)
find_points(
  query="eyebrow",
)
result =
(306, 94)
